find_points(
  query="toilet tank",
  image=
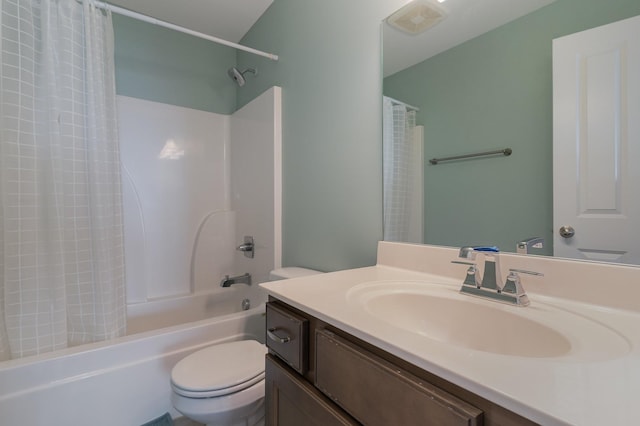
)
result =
(291, 272)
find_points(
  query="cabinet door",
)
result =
(290, 401)
(377, 393)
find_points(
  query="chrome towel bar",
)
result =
(506, 152)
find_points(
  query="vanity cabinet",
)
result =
(317, 374)
(291, 401)
(377, 392)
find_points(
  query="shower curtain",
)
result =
(61, 256)
(398, 124)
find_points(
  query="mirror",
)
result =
(481, 80)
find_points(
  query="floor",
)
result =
(183, 421)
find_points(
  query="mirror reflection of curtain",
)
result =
(61, 257)
(398, 129)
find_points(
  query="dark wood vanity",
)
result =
(317, 374)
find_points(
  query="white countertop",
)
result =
(577, 390)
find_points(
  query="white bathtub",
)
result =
(163, 313)
(122, 382)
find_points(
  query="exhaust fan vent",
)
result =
(416, 17)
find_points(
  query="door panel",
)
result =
(596, 110)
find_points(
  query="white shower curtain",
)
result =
(398, 124)
(61, 257)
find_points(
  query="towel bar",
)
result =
(506, 152)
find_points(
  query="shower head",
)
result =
(238, 76)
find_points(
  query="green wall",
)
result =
(161, 65)
(330, 74)
(492, 92)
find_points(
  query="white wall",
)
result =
(176, 198)
(194, 184)
(256, 194)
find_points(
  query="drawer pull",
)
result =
(271, 333)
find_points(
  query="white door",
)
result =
(596, 143)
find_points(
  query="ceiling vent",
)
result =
(416, 17)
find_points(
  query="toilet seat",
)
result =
(218, 392)
(219, 370)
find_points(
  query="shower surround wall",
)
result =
(256, 182)
(194, 184)
(175, 188)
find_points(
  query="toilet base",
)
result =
(244, 408)
(254, 419)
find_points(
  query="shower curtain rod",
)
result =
(397, 102)
(145, 18)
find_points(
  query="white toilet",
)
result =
(223, 385)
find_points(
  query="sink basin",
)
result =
(441, 313)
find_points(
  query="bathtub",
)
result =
(124, 381)
(163, 313)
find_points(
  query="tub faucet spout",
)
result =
(228, 281)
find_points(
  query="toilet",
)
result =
(223, 385)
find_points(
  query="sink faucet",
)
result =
(491, 278)
(490, 285)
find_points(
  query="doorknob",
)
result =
(567, 232)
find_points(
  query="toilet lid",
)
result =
(219, 367)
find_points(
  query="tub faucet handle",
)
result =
(247, 247)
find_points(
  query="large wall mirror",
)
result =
(479, 80)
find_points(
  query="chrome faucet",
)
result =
(524, 246)
(240, 279)
(490, 285)
(491, 278)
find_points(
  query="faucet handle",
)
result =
(524, 271)
(459, 262)
(513, 284)
(473, 275)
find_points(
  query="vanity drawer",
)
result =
(375, 392)
(288, 336)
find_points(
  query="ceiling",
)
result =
(465, 20)
(231, 19)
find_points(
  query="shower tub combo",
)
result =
(175, 303)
